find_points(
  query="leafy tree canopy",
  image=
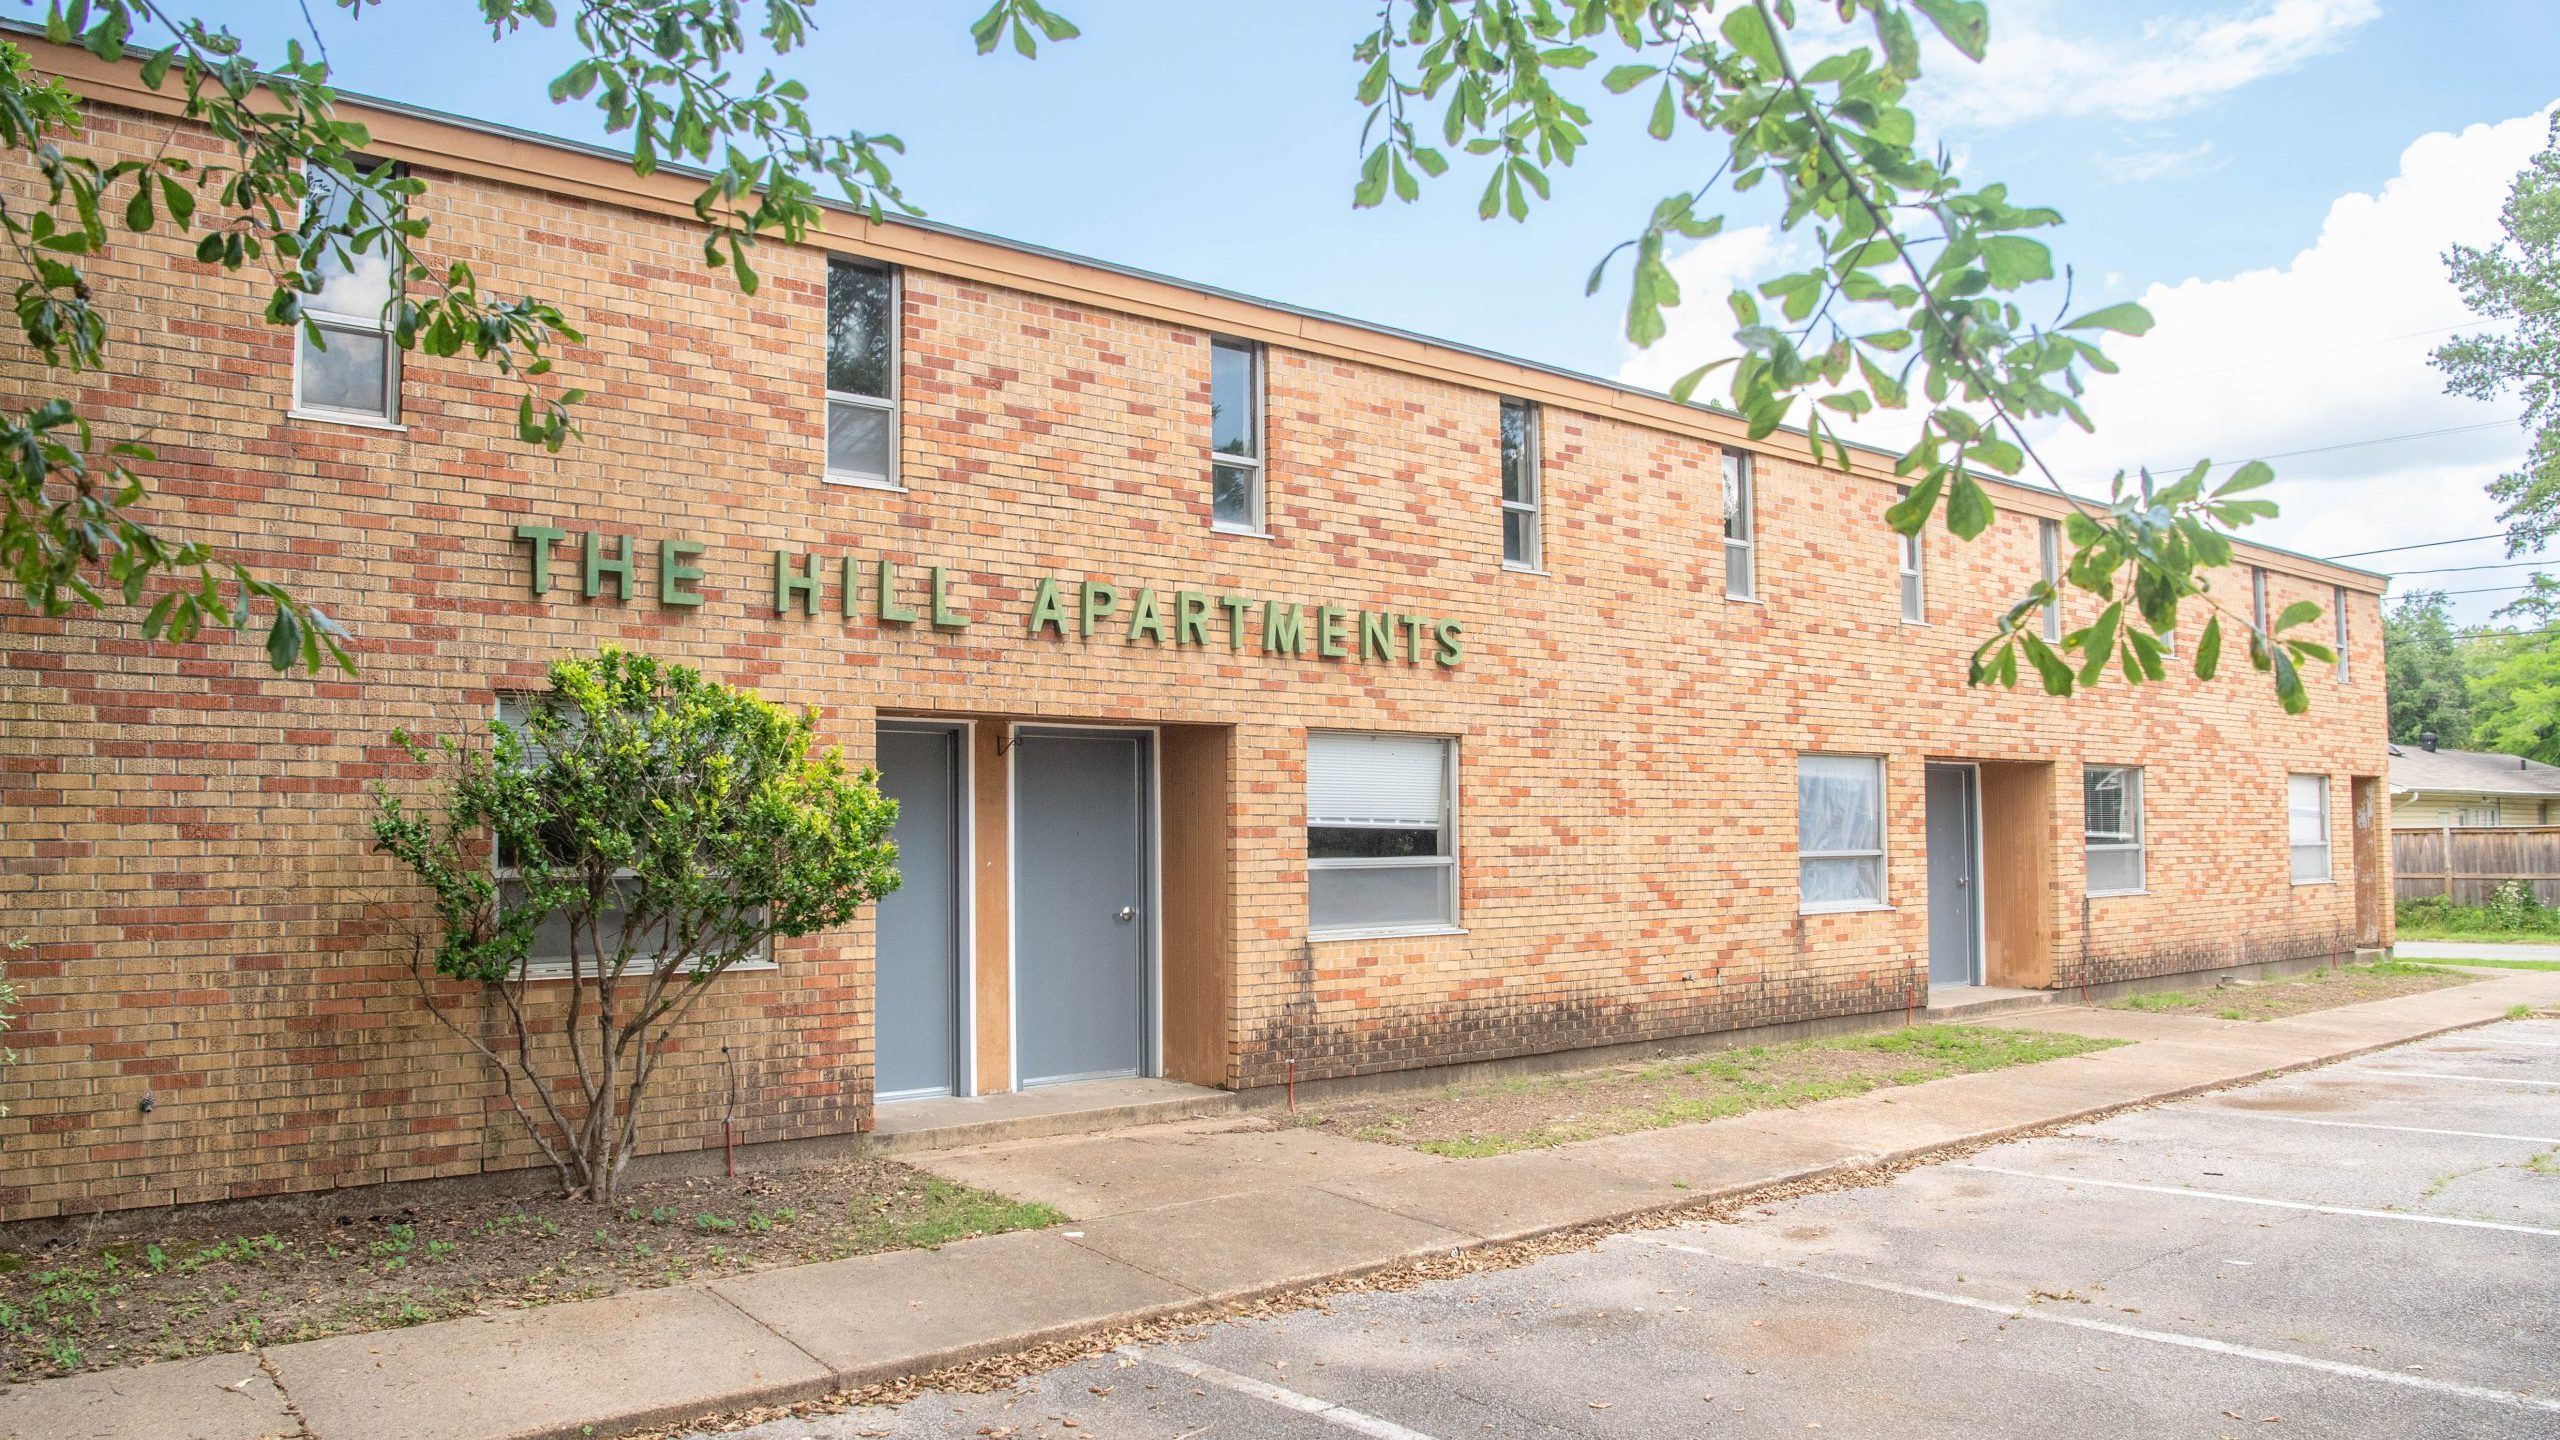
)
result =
(2518, 281)
(2423, 673)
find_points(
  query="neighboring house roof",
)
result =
(2470, 772)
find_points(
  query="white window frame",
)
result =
(331, 322)
(2049, 558)
(2328, 869)
(1912, 575)
(537, 967)
(1533, 483)
(2338, 603)
(1741, 528)
(890, 405)
(1881, 854)
(2133, 841)
(1260, 431)
(1447, 862)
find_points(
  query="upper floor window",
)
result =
(2258, 597)
(347, 366)
(1840, 831)
(1741, 530)
(862, 375)
(1235, 435)
(2307, 807)
(1521, 540)
(1914, 604)
(2049, 559)
(2111, 821)
(1382, 819)
(2338, 603)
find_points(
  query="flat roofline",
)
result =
(522, 135)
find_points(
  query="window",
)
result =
(1840, 831)
(549, 955)
(2338, 606)
(1235, 435)
(2049, 555)
(2477, 814)
(1521, 541)
(2308, 797)
(351, 370)
(1381, 833)
(2258, 598)
(1741, 530)
(862, 375)
(2111, 819)
(1914, 610)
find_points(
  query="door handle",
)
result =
(1128, 913)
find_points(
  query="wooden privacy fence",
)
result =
(2468, 864)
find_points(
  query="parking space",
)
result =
(2372, 1249)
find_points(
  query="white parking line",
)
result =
(2447, 1075)
(2369, 1125)
(2131, 1332)
(2262, 1200)
(1355, 1421)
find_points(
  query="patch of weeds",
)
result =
(2519, 1012)
(711, 1224)
(943, 1212)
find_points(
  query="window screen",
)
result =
(2111, 803)
(1840, 831)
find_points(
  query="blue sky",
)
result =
(2210, 156)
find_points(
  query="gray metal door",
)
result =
(917, 1013)
(1079, 905)
(1955, 916)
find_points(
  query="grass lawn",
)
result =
(135, 1290)
(1536, 1111)
(2494, 963)
(2297, 994)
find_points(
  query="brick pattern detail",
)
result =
(183, 834)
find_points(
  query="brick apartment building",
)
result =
(1263, 689)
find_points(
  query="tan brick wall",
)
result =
(183, 834)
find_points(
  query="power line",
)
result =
(2341, 445)
(2456, 569)
(2421, 545)
(2492, 590)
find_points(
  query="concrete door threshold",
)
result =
(1072, 1109)
(1966, 1002)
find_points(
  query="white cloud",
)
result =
(1701, 328)
(2324, 353)
(2042, 66)
(2134, 167)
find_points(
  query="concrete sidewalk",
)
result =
(1170, 1219)
(2475, 950)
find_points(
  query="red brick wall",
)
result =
(183, 834)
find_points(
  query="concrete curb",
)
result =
(369, 1385)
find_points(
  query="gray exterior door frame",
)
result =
(962, 735)
(1955, 868)
(1151, 886)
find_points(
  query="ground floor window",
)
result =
(2308, 803)
(1381, 833)
(2111, 805)
(1840, 831)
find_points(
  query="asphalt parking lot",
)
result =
(2370, 1249)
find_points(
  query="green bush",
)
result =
(2512, 910)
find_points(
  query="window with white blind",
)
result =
(1522, 544)
(2049, 556)
(1840, 831)
(2307, 798)
(549, 956)
(346, 366)
(2338, 606)
(1382, 816)
(1741, 530)
(2111, 820)
(1914, 601)
(862, 375)
(2258, 597)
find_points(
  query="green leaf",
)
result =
(1968, 508)
(2249, 477)
(2051, 667)
(138, 210)
(2209, 649)
(1748, 33)
(1666, 112)
(2015, 260)
(2125, 319)
(2300, 612)
(1627, 77)
(2289, 691)
(1965, 23)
